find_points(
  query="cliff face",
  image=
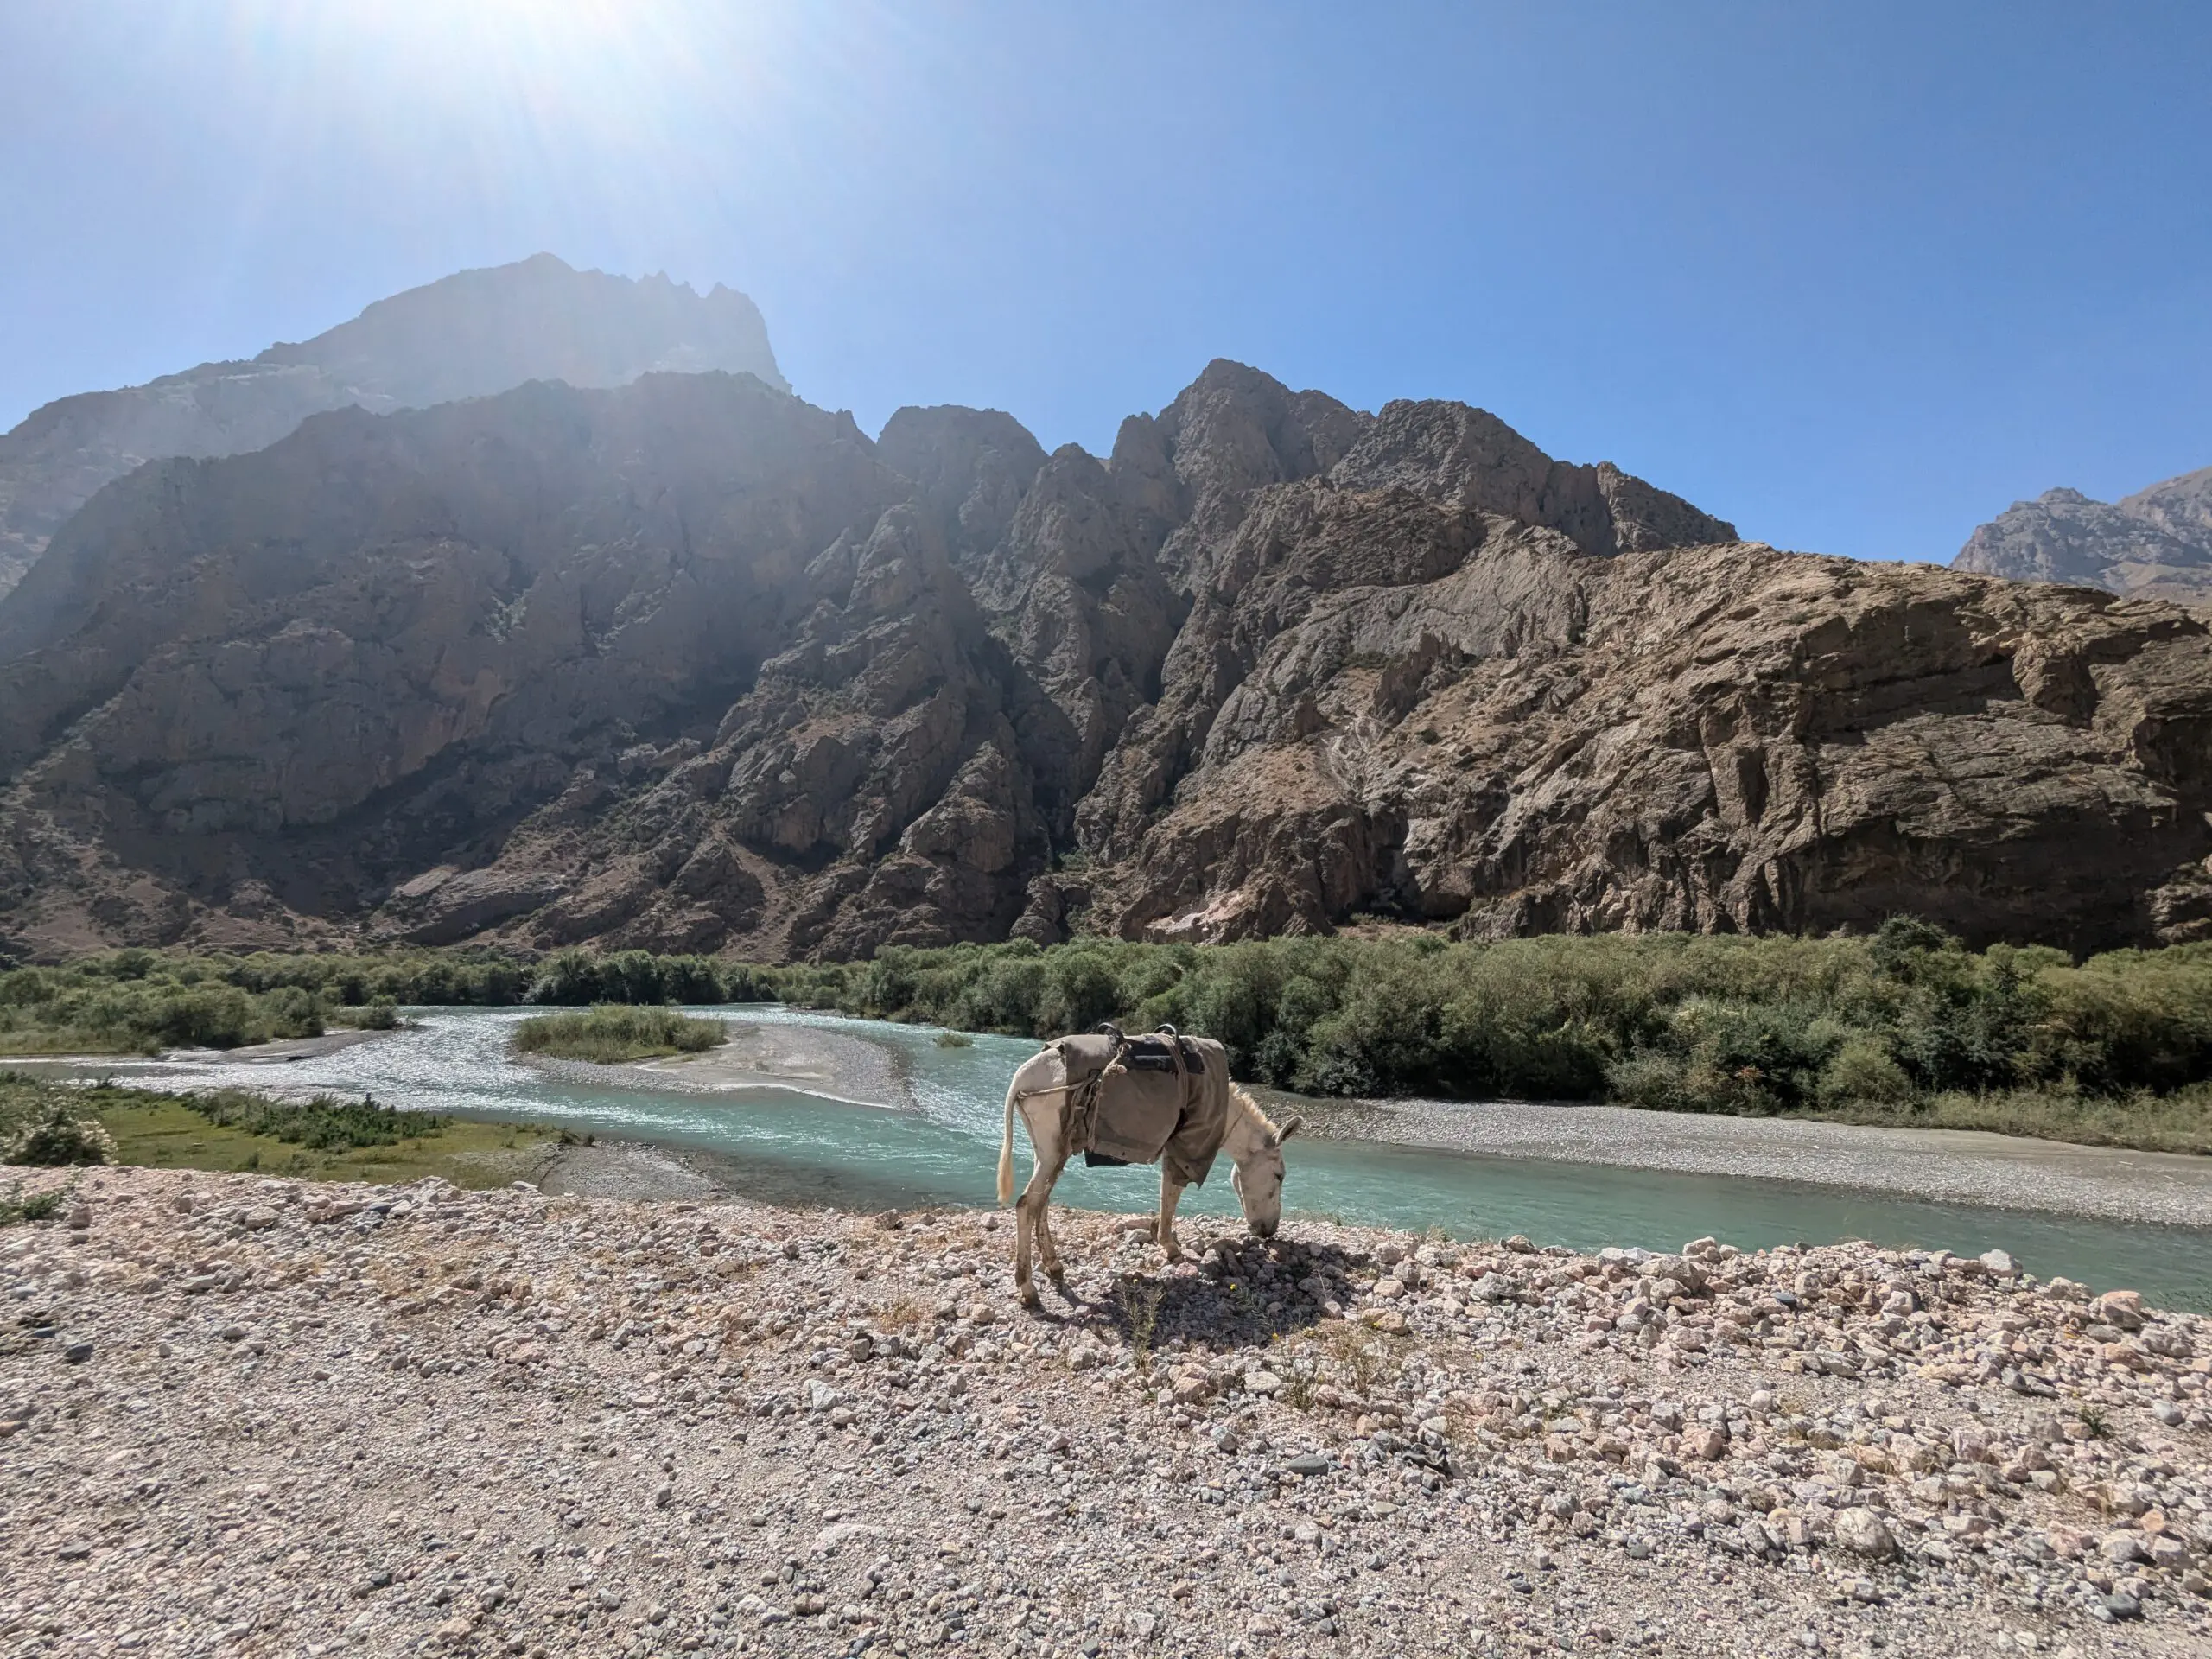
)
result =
(468, 335)
(2154, 544)
(693, 665)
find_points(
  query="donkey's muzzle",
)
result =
(1264, 1229)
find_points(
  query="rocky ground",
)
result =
(253, 1416)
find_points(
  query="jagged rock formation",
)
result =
(692, 665)
(471, 334)
(2154, 544)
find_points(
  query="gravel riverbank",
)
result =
(834, 1065)
(264, 1417)
(1947, 1166)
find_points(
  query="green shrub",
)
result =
(322, 1124)
(1861, 1069)
(612, 1033)
(1658, 1082)
(59, 1138)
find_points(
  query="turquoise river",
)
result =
(937, 1144)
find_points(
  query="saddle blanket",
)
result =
(1153, 1115)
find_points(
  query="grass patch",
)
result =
(165, 1132)
(323, 1124)
(322, 1139)
(611, 1034)
(954, 1039)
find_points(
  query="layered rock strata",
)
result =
(692, 665)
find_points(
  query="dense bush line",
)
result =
(122, 1005)
(1906, 1025)
(139, 1001)
(1662, 1020)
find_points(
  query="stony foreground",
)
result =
(253, 1416)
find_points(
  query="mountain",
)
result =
(468, 335)
(692, 665)
(2157, 543)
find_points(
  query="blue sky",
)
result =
(1856, 277)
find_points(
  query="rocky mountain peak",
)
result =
(2181, 506)
(690, 664)
(2157, 543)
(468, 335)
(971, 466)
(1235, 428)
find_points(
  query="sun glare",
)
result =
(596, 60)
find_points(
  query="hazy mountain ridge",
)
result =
(2155, 543)
(690, 664)
(466, 336)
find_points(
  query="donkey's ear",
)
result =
(1289, 1129)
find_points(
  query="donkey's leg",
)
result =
(1021, 1285)
(1171, 1193)
(1048, 1248)
(1029, 1213)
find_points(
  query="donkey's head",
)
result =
(1255, 1147)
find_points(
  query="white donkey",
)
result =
(1061, 1093)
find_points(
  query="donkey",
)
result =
(1058, 1091)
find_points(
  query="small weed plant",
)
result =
(1140, 1301)
(16, 1205)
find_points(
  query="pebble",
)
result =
(1864, 1532)
(726, 1428)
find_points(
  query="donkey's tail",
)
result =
(1006, 1153)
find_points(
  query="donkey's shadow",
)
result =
(1225, 1304)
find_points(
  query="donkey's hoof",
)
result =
(1030, 1298)
(1058, 1272)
